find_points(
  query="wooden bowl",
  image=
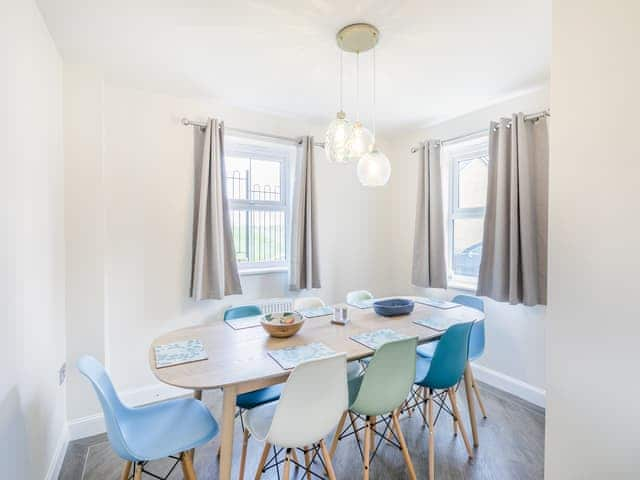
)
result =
(274, 324)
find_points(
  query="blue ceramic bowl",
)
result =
(393, 306)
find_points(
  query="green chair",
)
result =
(436, 380)
(375, 397)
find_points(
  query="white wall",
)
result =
(129, 168)
(593, 321)
(32, 282)
(515, 334)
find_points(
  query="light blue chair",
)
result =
(476, 342)
(138, 435)
(436, 379)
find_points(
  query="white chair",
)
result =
(310, 406)
(358, 296)
(303, 303)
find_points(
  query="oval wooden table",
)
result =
(238, 360)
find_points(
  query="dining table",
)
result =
(238, 361)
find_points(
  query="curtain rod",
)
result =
(531, 116)
(240, 131)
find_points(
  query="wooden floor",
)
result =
(511, 447)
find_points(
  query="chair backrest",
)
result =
(477, 339)
(450, 358)
(311, 403)
(388, 378)
(358, 296)
(302, 303)
(112, 407)
(242, 311)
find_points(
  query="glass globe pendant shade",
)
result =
(374, 169)
(335, 142)
(360, 142)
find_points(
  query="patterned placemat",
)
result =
(245, 322)
(178, 353)
(438, 322)
(432, 302)
(377, 338)
(291, 357)
(316, 312)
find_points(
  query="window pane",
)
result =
(237, 173)
(268, 236)
(472, 183)
(467, 246)
(265, 180)
(240, 229)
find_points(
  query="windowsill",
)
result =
(262, 270)
(458, 285)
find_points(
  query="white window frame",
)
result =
(455, 212)
(262, 150)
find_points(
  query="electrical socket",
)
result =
(62, 373)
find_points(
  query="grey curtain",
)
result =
(303, 262)
(513, 267)
(429, 251)
(214, 271)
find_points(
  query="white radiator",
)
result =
(275, 305)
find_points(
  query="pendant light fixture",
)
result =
(347, 141)
(374, 168)
(339, 131)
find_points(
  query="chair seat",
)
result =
(168, 428)
(427, 350)
(256, 398)
(423, 364)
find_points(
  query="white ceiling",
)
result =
(436, 58)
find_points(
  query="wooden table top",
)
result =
(240, 356)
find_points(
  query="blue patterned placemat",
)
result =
(245, 322)
(377, 338)
(431, 302)
(316, 312)
(291, 357)
(362, 304)
(438, 322)
(179, 352)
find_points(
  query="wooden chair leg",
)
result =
(403, 445)
(432, 438)
(425, 395)
(477, 392)
(243, 455)
(187, 467)
(307, 461)
(327, 460)
(456, 413)
(126, 469)
(294, 455)
(263, 460)
(287, 465)
(137, 472)
(372, 431)
(336, 437)
(367, 448)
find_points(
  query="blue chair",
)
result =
(436, 379)
(476, 342)
(138, 435)
(249, 400)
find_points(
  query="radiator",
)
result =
(275, 305)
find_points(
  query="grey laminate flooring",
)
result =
(511, 447)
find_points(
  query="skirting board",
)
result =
(58, 455)
(510, 385)
(94, 424)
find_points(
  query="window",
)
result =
(468, 175)
(257, 175)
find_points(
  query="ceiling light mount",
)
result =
(358, 37)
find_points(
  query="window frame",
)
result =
(248, 147)
(455, 212)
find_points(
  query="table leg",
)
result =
(197, 394)
(226, 438)
(468, 390)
